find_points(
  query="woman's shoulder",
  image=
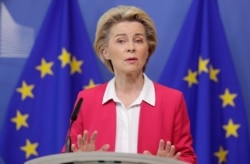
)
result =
(163, 89)
(167, 95)
(95, 91)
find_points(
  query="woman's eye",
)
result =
(139, 41)
(120, 41)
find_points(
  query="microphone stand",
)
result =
(68, 140)
(73, 118)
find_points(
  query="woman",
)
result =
(131, 113)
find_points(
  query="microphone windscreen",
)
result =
(76, 110)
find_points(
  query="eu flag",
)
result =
(200, 66)
(61, 63)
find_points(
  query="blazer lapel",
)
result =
(149, 128)
(107, 125)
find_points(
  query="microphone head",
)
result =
(76, 110)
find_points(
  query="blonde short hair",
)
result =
(120, 14)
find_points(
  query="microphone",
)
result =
(73, 118)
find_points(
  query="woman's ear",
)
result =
(105, 54)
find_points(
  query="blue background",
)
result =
(168, 16)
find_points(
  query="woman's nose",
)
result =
(131, 47)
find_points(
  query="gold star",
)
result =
(213, 73)
(45, 68)
(20, 120)
(191, 78)
(203, 65)
(75, 65)
(64, 57)
(90, 85)
(30, 148)
(26, 90)
(221, 154)
(231, 128)
(228, 98)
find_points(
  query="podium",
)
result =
(102, 158)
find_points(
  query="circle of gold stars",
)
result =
(227, 98)
(26, 91)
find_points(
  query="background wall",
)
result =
(27, 15)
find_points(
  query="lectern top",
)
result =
(102, 157)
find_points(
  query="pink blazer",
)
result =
(168, 120)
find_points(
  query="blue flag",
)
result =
(61, 63)
(200, 66)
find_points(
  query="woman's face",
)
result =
(127, 47)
